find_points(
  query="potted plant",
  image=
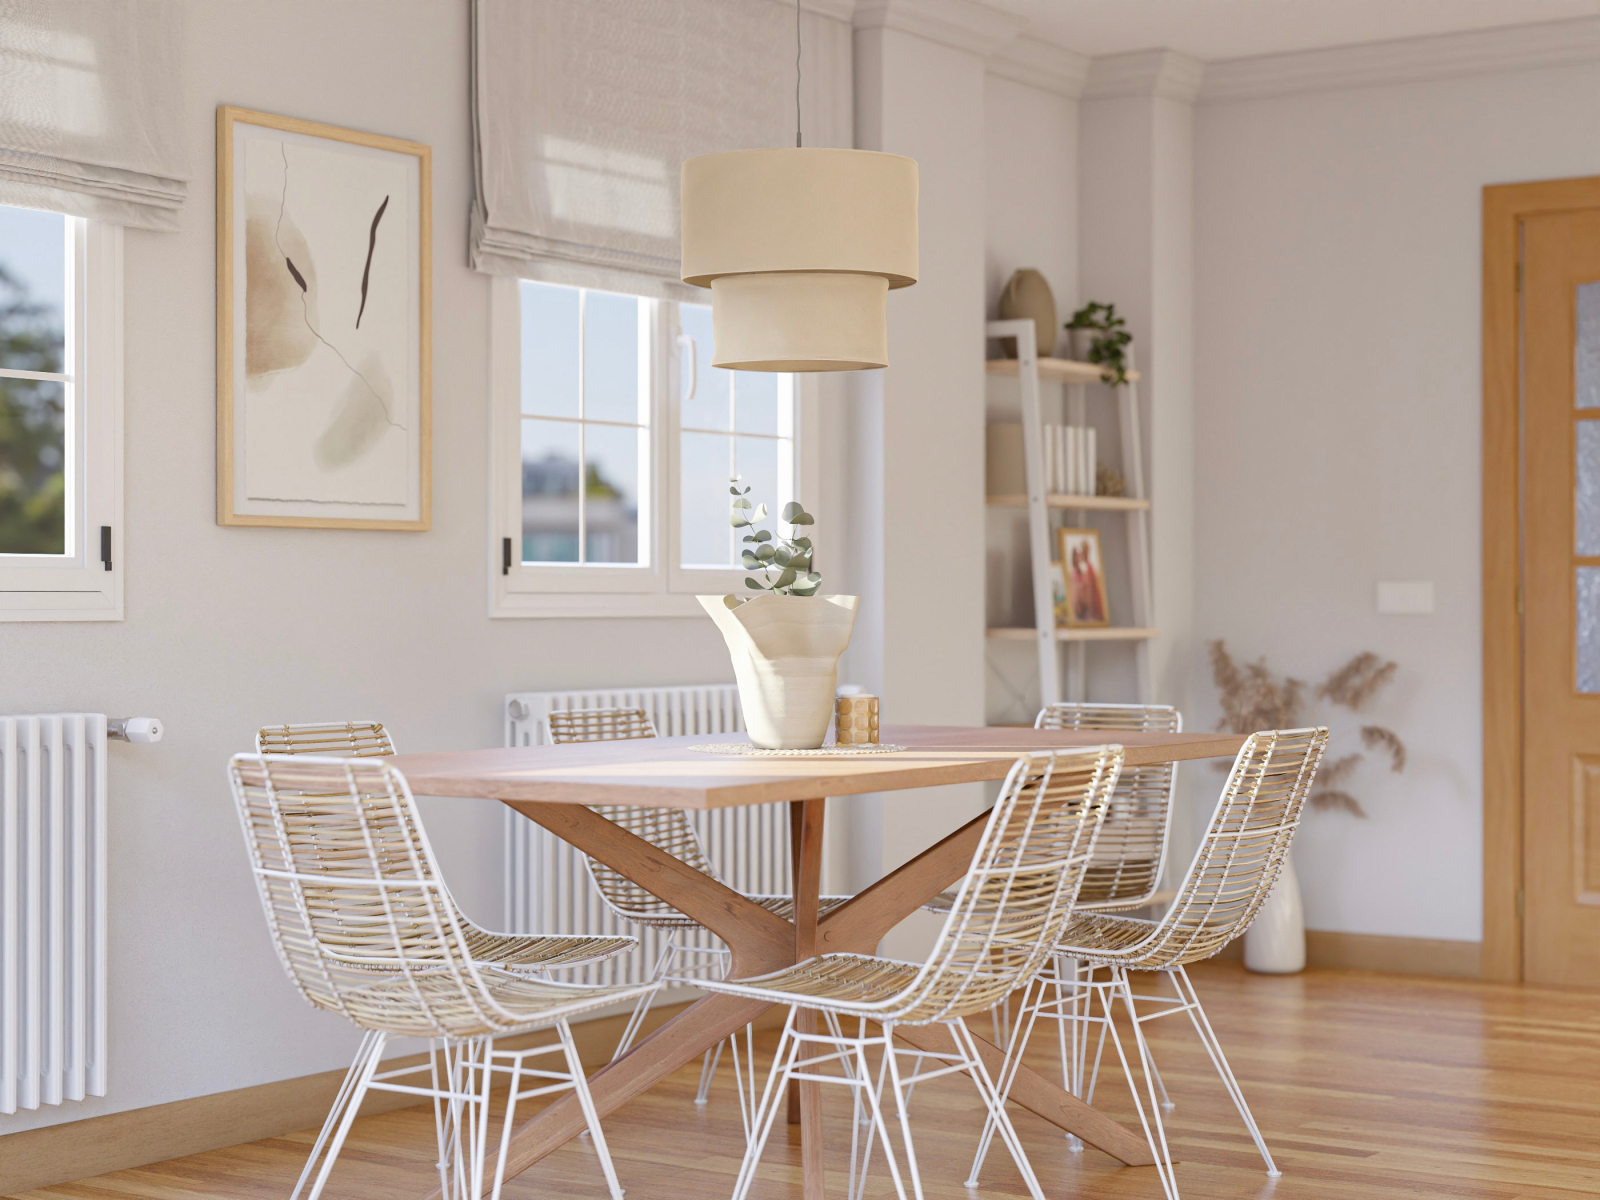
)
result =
(786, 641)
(1101, 337)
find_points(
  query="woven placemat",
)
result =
(833, 750)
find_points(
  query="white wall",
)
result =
(228, 629)
(1337, 435)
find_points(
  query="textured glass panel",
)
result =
(708, 407)
(1586, 367)
(33, 283)
(611, 390)
(549, 491)
(549, 350)
(755, 401)
(1587, 491)
(703, 470)
(1588, 629)
(611, 501)
(33, 514)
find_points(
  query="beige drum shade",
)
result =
(799, 248)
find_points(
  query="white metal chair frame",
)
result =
(1000, 932)
(1233, 872)
(348, 883)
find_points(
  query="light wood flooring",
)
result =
(1367, 1087)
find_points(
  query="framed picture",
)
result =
(324, 355)
(1083, 578)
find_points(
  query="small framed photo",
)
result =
(1082, 579)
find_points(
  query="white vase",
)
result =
(1276, 943)
(785, 653)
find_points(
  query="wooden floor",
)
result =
(1367, 1087)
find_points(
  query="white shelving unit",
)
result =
(1029, 369)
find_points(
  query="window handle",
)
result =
(686, 347)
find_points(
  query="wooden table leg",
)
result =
(805, 1097)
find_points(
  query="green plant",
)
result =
(1109, 347)
(767, 553)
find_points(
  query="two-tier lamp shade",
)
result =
(799, 248)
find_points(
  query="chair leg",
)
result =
(591, 1118)
(773, 1097)
(337, 1127)
(708, 1068)
(902, 1104)
(874, 1095)
(642, 1007)
(994, 1102)
(1208, 1038)
(1154, 1133)
(1027, 1017)
(505, 1129)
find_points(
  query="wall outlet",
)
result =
(1411, 597)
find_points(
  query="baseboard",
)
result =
(1378, 952)
(75, 1150)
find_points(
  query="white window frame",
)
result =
(79, 586)
(659, 589)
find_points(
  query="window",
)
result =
(614, 440)
(60, 417)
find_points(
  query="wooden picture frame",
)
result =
(1083, 574)
(324, 326)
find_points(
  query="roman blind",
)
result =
(583, 110)
(91, 108)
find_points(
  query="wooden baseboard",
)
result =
(1377, 952)
(75, 1150)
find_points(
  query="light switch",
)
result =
(1409, 597)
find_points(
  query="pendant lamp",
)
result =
(799, 248)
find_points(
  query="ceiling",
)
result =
(1212, 29)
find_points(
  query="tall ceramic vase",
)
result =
(1275, 944)
(786, 661)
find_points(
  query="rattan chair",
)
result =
(1006, 921)
(667, 829)
(349, 883)
(1233, 872)
(521, 954)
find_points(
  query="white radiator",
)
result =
(52, 909)
(547, 886)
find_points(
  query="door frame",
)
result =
(1505, 207)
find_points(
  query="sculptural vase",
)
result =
(1275, 943)
(785, 652)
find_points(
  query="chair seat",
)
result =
(667, 917)
(842, 981)
(1107, 939)
(540, 952)
(391, 1003)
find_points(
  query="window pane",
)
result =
(611, 357)
(611, 514)
(755, 401)
(549, 350)
(703, 500)
(756, 459)
(33, 511)
(708, 407)
(549, 491)
(1586, 367)
(1589, 629)
(33, 282)
(1587, 491)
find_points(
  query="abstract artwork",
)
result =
(323, 355)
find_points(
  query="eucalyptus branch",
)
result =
(781, 565)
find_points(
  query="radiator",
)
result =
(52, 909)
(547, 886)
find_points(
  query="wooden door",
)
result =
(1561, 598)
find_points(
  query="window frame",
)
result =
(79, 586)
(660, 589)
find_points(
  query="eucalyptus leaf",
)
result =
(764, 535)
(760, 513)
(765, 552)
(792, 510)
(803, 518)
(754, 583)
(786, 579)
(737, 521)
(741, 503)
(783, 558)
(750, 561)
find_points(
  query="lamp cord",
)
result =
(797, 48)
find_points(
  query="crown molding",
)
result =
(1042, 65)
(1404, 60)
(1145, 73)
(965, 24)
(839, 10)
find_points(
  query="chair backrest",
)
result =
(664, 828)
(1243, 850)
(1130, 854)
(360, 917)
(342, 739)
(1009, 911)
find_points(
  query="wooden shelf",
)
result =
(1088, 633)
(1058, 370)
(1061, 500)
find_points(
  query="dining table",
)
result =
(555, 785)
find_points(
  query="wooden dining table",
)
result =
(554, 785)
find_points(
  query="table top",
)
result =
(665, 773)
